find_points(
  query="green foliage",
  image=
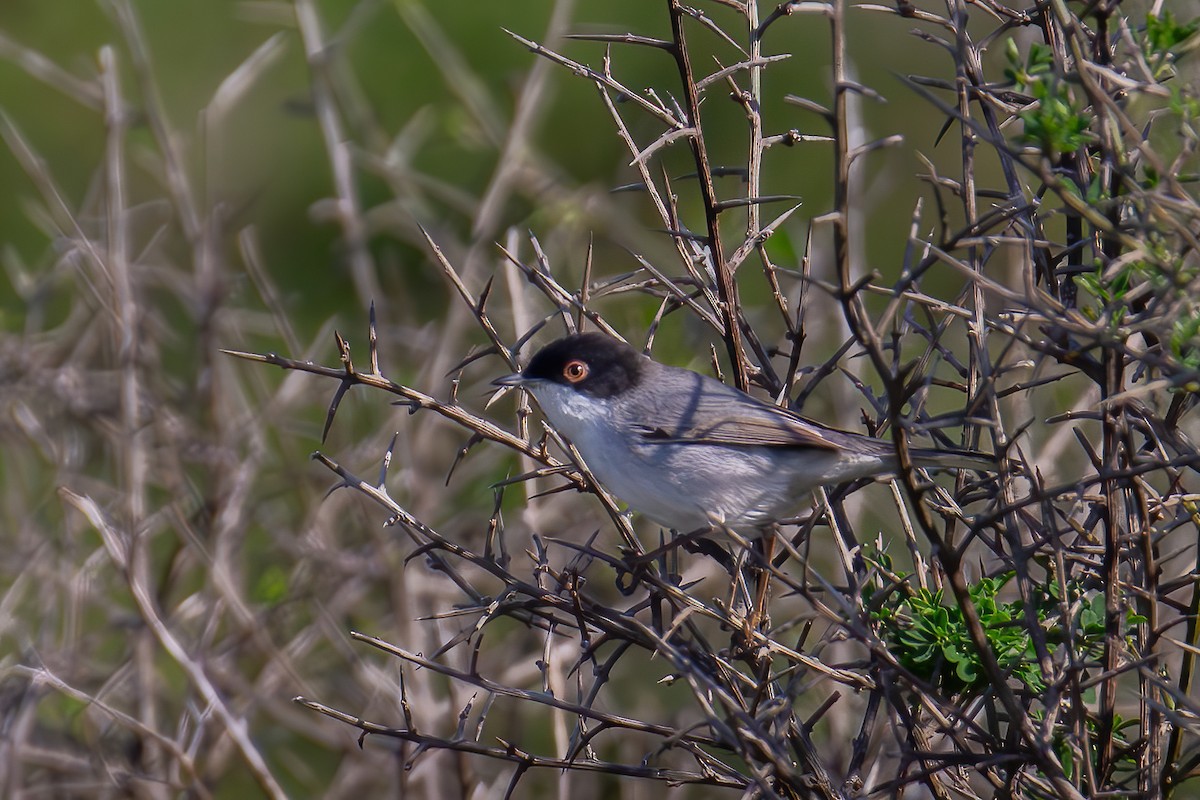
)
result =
(1056, 123)
(1162, 40)
(1038, 64)
(1112, 289)
(1185, 341)
(931, 639)
(1186, 107)
(1109, 291)
(1066, 745)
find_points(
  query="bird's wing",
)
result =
(709, 412)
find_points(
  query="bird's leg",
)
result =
(760, 616)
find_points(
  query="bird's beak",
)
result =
(508, 381)
(514, 381)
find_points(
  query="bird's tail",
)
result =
(953, 459)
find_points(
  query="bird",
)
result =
(690, 452)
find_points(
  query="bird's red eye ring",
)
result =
(575, 370)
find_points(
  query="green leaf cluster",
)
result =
(931, 639)
(1185, 341)
(1055, 122)
(1165, 41)
(1110, 291)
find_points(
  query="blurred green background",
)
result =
(265, 163)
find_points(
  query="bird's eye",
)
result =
(575, 371)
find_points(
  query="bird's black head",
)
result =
(591, 363)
